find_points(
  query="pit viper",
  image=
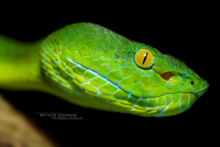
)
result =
(92, 66)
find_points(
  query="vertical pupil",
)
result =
(145, 57)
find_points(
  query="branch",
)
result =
(17, 131)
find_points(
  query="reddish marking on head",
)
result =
(167, 75)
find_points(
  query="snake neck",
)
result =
(19, 64)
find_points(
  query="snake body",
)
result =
(92, 66)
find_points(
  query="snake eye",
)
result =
(144, 58)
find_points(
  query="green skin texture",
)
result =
(94, 67)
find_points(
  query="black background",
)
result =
(184, 31)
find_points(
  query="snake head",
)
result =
(95, 67)
(180, 83)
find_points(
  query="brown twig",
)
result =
(17, 131)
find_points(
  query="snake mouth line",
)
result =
(166, 95)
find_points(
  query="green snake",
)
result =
(92, 66)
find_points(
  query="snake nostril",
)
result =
(192, 82)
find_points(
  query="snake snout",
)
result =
(202, 90)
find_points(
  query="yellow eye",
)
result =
(144, 58)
